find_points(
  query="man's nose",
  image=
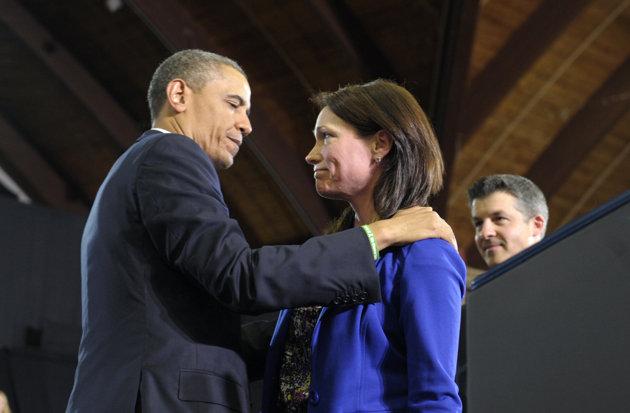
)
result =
(487, 230)
(244, 125)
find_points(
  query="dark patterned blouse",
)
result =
(295, 365)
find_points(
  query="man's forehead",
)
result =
(232, 82)
(494, 203)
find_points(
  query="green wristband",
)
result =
(370, 236)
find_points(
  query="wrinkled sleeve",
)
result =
(432, 285)
(182, 209)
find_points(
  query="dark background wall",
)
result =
(40, 304)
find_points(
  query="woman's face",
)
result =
(343, 161)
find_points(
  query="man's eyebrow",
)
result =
(498, 212)
(492, 214)
(241, 101)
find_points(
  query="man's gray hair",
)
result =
(196, 67)
(530, 200)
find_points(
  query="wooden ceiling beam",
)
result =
(586, 128)
(31, 171)
(528, 42)
(78, 80)
(246, 7)
(355, 39)
(457, 28)
(178, 29)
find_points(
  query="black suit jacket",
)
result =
(166, 272)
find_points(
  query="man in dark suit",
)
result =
(166, 271)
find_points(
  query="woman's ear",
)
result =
(381, 144)
(176, 95)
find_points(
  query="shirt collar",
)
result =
(161, 130)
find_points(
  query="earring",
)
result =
(377, 159)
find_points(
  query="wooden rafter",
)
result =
(517, 55)
(247, 9)
(354, 39)
(582, 133)
(87, 90)
(31, 171)
(458, 24)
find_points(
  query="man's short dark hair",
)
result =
(530, 200)
(196, 67)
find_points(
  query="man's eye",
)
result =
(233, 104)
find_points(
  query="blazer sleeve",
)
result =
(432, 285)
(182, 209)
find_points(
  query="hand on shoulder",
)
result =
(412, 224)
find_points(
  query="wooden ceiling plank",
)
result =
(582, 133)
(458, 25)
(33, 173)
(78, 80)
(622, 156)
(526, 108)
(178, 30)
(520, 51)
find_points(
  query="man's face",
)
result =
(217, 116)
(501, 230)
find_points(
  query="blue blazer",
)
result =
(396, 356)
(166, 272)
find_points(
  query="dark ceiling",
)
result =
(539, 88)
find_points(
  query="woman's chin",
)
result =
(328, 193)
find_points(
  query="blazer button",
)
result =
(313, 397)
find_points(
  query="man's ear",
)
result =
(538, 226)
(381, 144)
(176, 95)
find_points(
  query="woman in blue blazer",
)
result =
(375, 149)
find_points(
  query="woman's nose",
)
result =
(314, 156)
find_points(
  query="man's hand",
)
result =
(409, 225)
